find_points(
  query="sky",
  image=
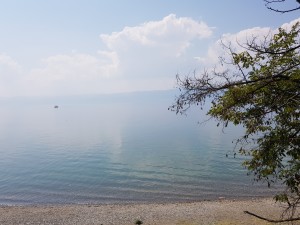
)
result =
(86, 47)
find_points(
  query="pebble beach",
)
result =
(219, 212)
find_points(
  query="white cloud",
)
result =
(76, 66)
(152, 53)
(171, 33)
(144, 57)
(236, 41)
(290, 24)
(75, 73)
(9, 68)
(8, 62)
(10, 75)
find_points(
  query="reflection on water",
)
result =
(114, 149)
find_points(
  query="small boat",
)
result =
(56, 107)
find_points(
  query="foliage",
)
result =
(261, 93)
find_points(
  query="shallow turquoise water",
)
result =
(121, 148)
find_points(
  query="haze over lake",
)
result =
(115, 149)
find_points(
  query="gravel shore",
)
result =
(222, 212)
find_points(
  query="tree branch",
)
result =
(283, 11)
(270, 220)
(263, 51)
(268, 2)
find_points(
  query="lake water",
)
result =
(115, 149)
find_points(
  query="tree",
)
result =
(269, 4)
(261, 92)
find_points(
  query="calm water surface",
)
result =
(115, 149)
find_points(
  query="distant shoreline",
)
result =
(221, 211)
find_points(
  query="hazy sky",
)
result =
(73, 47)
